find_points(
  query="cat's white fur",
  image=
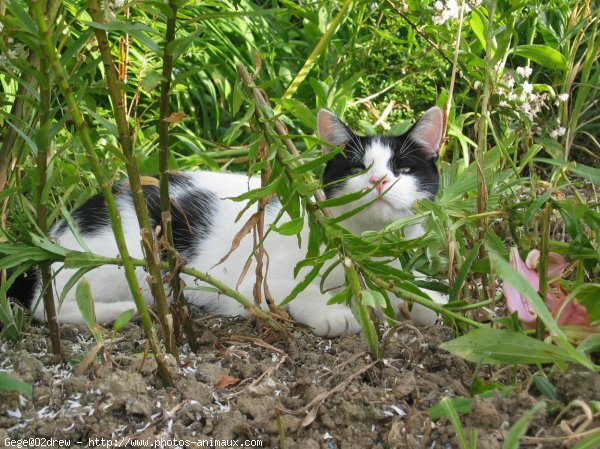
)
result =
(111, 293)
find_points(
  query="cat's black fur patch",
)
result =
(423, 167)
(90, 218)
(192, 212)
(24, 287)
(343, 164)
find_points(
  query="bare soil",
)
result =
(300, 392)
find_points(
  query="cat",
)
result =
(400, 170)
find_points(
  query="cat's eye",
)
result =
(355, 169)
(404, 170)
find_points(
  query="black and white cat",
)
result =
(204, 222)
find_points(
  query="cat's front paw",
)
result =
(424, 316)
(337, 320)
(329, 321)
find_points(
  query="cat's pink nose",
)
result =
(382, 182)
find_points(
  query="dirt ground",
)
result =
(303, 392)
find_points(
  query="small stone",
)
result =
(120, 384)
(263, 409)
(144, 367)
(142, 405)
(208, 373)
(193, 390)
(266, 388)
(29, 368)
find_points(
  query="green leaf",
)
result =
(450, 412)
(299, 110)
(73, 280)
(9, 383)
(178, 46)
(344, 199)
(543, 55)
(123, 319)
(151, 81)
(478, 27)
(544, 386)
(501, 346)
(372, 298)
(25, 137)
(480, 387)
(24, 19)
(460, 404)
(292, 227)
(260, 193)
(85, 302)
(121, 26)
(399, 128)
(341, 297)
(463, 272)
(520, 427)
(317, 162)
(107, 124)
(24, 255)
(79, 259)
(590, 344)
(302, 285)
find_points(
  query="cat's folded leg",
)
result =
(422, 315)
(311, 308)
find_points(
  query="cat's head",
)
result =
(398, 170)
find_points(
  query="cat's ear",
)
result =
(428, 131)
(332, 130)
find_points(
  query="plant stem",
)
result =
(452, 77)
(175, 260)
(543, 265)
(149, 243)
(42, 163)
(281, 130)
(81, 125)
(482, 193)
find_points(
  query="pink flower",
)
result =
(556, 262)
(514, 301)
(572, 314)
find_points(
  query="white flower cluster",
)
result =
(517, 92)
(14, 51)
(559, 131)
(451, 10)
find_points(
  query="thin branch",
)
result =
(42, 164)
(86, 140)
(149, 242)
(175, 260)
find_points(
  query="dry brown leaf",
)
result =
(225, 381)
(88, 359)
(175, 117)
(245, 230)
